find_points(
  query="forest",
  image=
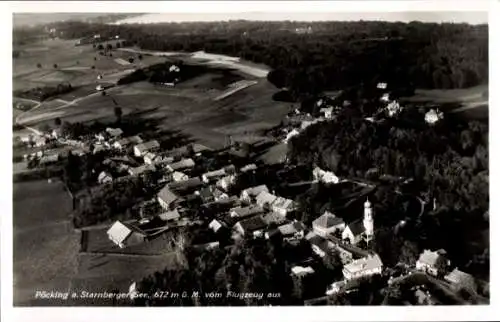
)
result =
(335, 55)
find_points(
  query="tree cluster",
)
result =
(43, 93)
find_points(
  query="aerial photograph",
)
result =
(246, 159)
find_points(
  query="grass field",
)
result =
(45, 245)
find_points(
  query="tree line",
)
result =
(335, 55)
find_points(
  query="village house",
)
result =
(248, 195)
(393, 108)
(219, 195)
(283, 206)
(433, 116)
(122, 144)
(327, 224)
(226, 182)
(265, 199)
(140, 170)
(434, 263)
(114, 133)
(385, 98)
(274, 218)
(188, 185)
(206, 194)
(178, 176)
(170, 215)
(104, 177)
(461, 280)
(319, 245)
(215, 225)
(363, 267)
(248, 167)
(301, 271)
(325, 176)
(292, 231)
(149, 157)
(342, 286)
(250, 227)
(143, 148)
(354, 232)
(243, 212)
(168, 199)
(124, 235)
(181, 165)
(382, 85)
(213, 175)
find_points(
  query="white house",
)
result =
(354, 232)
(181, 165)
(249, 194)
(215, 225)
(434, 263)
(327, 112)
(301, 271)
(168, 199)
(283, 206)
(393, 108)
(325, 176)
(213, 175)
(125, 235)
(143, 148)
(179, 176)
(367, 266)
(327, 224)
(104, 177)
(433, 116)
(226, 182)
(385, 98)
(248, 167)
(382, 85)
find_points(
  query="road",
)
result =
(469, 106)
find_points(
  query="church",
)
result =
(362, 229)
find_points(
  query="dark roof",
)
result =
(252, 224)
(328, 220)
(186, 184)
(206, 193)
(167, 195)
(356, 227)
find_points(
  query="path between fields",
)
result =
(470, 106)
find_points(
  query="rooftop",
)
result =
(363, 264)
(327, 220)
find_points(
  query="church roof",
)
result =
(356, 227)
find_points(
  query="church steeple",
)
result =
(368, 220)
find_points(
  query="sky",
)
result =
(429, 16)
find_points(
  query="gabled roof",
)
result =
(167, 195)
(252, 224)
(274, 217)
(364, 264)
(190, 183)
(170, 215)
(328, 220)
(177, 176)
(265, 197)
(242, 212)
(459, 277)
(120, 231)
(356, 227)
(141, 169)
(103, 175)
(249, 167)
(430, 258)
(283, 203)
(216, 173)
(291, 228)
(146, 146)
(254, 191)
(182, 164)
(218, 193)
(215, 225)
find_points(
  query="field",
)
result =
(207, 108)
(45, 245)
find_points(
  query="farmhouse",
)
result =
(181, 165)
(327, 224)
(140, 170)
(248, 195)
(243, 212)
(143, 148)
(362, 267)
(251, 226)
(434, 263)
(168, 199)
(265, 199)
(125, 235)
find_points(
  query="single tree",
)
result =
(55, 66)
(140, 57)
(118, 114)
(100, 47)
(93, 67)
(131, 60)
(109, 47)
(57, 121)
(95, 58)
(39, 65)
